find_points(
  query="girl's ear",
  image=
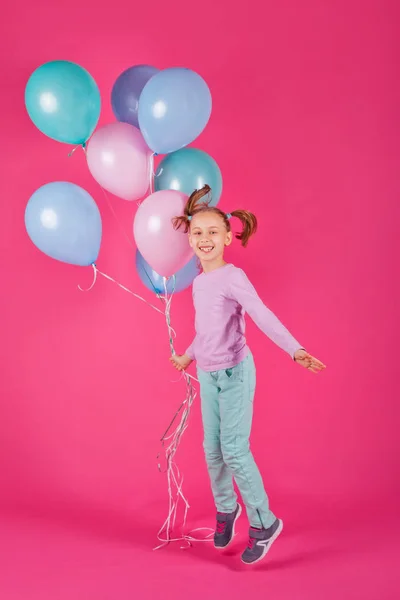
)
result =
(229, 238)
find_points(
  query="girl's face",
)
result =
(208, 237)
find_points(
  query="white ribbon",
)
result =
(172, 436)
(151, 172)
(97, 271)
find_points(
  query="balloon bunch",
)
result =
(157, 112)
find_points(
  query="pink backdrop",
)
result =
(305, 128)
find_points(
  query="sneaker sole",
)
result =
(268, 547)
(233, 530)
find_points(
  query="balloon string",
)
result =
(83, 146)
(129, 241)
(96, 272)
(168, 300)
(170, 437)
(151, 173)
(175, 483)
(110, 206)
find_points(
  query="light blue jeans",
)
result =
(227, 410)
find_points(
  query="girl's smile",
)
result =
(208, 237)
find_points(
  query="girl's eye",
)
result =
(213, 232)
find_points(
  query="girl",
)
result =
(222, 294)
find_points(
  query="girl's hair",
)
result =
(196, 205)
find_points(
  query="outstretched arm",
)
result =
(245, 294)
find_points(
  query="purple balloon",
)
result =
(126, 92)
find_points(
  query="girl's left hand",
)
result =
(309, 362)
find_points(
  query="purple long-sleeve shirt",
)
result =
(221, 299)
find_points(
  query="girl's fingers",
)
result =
(317, 362)
(314, 361)
(319, 366)
(175, 364)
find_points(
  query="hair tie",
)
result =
(228, 216)
(189, 217)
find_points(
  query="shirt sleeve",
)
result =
(245, 294)
(190, 351)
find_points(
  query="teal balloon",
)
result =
(187, 170)
(63, 101)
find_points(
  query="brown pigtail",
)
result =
(195, 200)
(179, 222)
(193, 204)
(249, 222)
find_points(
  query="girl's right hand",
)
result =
(181, 363)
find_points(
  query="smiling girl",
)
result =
(222, 295)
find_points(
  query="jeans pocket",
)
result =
(235, 373)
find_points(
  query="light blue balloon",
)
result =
(63, 101)
(174, 108)
(155, 282)
(63, 221)
(187, 170)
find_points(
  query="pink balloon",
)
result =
(165, 249)
(119, 160)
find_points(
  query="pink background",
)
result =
(305, 128)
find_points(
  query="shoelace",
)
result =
(251, 543)
(221, 526)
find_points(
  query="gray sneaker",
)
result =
(260, 541)
(225, 529)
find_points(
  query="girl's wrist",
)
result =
(298, 350)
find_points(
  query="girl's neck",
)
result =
(213, 265)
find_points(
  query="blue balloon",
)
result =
(155, 282)
(174, 108)
(63, 101)
(126, 92)
(63, 221)
(187, 170)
